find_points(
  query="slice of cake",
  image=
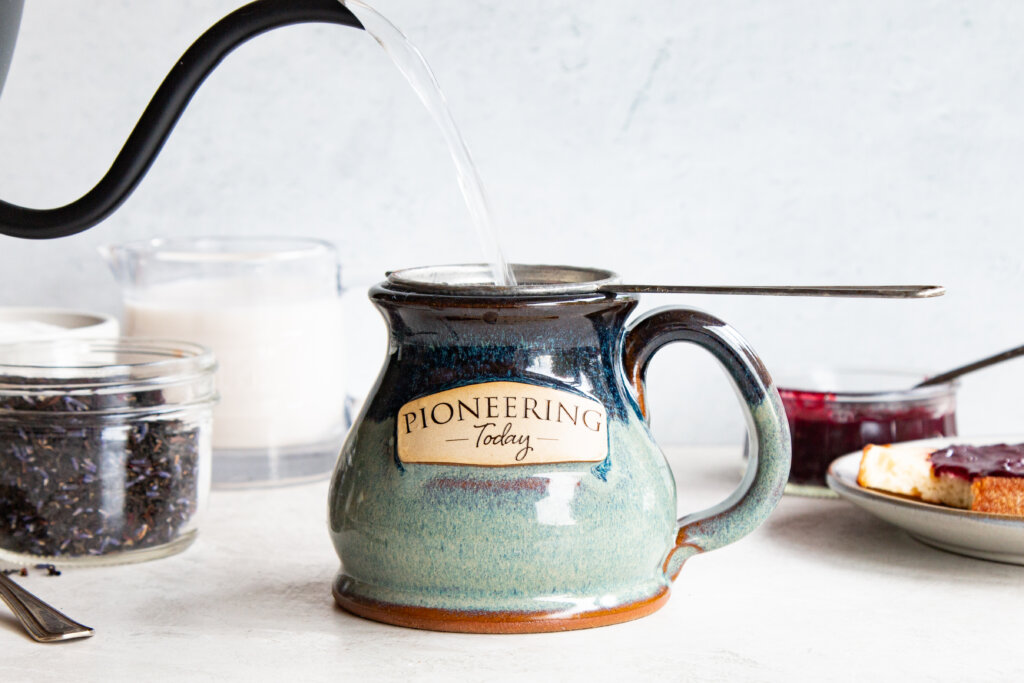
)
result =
(982, 478)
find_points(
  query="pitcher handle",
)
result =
(768, 464)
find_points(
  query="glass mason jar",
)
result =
(104, 449)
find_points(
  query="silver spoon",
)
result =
(43, 622)
(971, 367)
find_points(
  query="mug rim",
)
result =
(474, 279)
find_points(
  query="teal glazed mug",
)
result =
(502, 478)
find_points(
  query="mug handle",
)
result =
(768, 464)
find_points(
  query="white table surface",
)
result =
(823, 591)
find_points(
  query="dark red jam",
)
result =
(824, 427)
(971, 462)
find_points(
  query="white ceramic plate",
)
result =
(30, 323)
(977, 534)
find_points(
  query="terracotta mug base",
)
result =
(435, 619)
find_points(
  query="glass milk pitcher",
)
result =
(270, 309)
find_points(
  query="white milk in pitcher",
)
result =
(279, 346)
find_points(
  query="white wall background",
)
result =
(780, 142)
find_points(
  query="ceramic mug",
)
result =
(502, 477)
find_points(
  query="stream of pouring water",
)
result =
(417, 72)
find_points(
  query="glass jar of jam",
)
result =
(832, 413)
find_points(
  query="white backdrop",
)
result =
(779, 142)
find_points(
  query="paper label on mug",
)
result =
(501, 424)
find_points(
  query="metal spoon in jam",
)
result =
(971, 367)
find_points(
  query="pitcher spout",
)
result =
(120, 260)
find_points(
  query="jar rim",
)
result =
(93, 367)
(848, 385)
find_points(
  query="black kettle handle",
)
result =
(163, 112)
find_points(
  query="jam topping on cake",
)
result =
(971, 462)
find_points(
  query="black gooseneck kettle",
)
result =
(162, 112)
(177, 89)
